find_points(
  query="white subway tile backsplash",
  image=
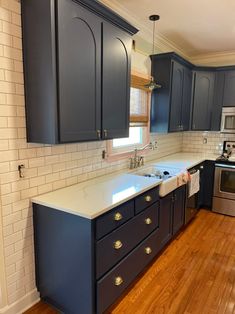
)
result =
(193, 142)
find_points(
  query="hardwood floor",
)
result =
(194, 275)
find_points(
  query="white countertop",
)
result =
(183, 161)
(95, 197)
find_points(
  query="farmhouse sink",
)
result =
(168, 175)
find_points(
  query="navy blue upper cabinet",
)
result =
(176, 96)
(229, 89)
(116, 82)
(187, 95)
(170, 110)
(203, 100)
(77, 71)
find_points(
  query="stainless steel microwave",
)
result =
(228, 120)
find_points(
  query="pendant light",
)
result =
(152, 84)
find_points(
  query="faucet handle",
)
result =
(132, 163)
(141, 160)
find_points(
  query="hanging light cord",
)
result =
(154, 25)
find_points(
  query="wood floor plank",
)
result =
(194, 275)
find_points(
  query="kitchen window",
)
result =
(139, 120)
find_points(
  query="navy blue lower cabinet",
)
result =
(111, 286)
(113, 219)
(120, 242)
(64, 254)
(146, 199)
(179, 209)
(171, 214)
(165, 218)
(83, 265)
(207, 180)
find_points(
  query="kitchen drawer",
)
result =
(113, 219)
(146, 199)
(111, 249)
(111, 286)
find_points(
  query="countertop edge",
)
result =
(101, 211)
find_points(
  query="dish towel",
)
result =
(194, 183)
(182, 178)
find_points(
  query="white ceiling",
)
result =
(195, 27)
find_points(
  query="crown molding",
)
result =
(214, 59)
(163, 44)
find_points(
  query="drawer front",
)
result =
(113, 219)
(111, 249)
(111, 286)
(145, 200)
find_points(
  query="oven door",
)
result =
(228, 122)
(224, 185)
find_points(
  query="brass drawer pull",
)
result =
(118, 281)
(148, 221)
(148, 198)
(117, 245)
(118, 217)
(148, 250)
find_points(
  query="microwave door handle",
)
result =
(223, 123)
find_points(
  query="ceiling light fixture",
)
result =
(152, 84)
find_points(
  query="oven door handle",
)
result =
(225, 166)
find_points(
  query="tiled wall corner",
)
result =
(205, 142)
(46, 167)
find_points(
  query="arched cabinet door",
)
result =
(203, 100)
(176, 96)
(116, 82)
(229, 89)
(79, 72)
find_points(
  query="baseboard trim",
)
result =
(22, 304)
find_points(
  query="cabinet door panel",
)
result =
(116, 82)
(179, 209)
(186, 103)
(176, 96)
(218, 101)
(229, 89)
(203, 100)
(79, 62)
(165, 219)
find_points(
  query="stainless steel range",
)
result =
(224, 182)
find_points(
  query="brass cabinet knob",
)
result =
(148, 198)
(148, 250)
(118, 281)
(118, 217)
(148, 221)
(117, 245)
